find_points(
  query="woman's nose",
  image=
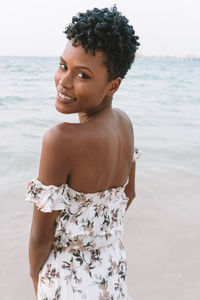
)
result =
(66, 80)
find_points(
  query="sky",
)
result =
(35, 27)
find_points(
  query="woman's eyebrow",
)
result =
(78, 67)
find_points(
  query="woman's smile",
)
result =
(65, 98)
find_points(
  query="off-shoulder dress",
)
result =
(87, 259)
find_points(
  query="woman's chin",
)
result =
(64, 108)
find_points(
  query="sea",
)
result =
(161, 95)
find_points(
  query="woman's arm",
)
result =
(53, 170)
(130, 187)
(41, 239)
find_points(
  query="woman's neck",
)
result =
(105, 106)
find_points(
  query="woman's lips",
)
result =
(64, 98)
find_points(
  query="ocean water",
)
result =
(162, 98)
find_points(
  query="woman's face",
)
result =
(82, 81)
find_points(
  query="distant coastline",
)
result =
(139, 55)
(178, 57)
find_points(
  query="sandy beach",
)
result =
(162, 233)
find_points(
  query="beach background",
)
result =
(162, 225)
(161, 95)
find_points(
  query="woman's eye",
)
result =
(83, 75)
(63, 66)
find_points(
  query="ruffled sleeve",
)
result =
(47, 197)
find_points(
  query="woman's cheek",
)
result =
(56, 77)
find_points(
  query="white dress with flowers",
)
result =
(87, 259)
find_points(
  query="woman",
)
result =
(86, 174)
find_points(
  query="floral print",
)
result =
(88, 258)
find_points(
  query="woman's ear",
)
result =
(114, 85)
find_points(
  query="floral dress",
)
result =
(87, 259)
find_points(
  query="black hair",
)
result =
(107, 30)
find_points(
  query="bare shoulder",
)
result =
(58, 154)
(64, 139)
(59, 134)
(123, 115)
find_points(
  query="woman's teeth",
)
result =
(65, 97)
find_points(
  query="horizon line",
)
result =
(136, 56)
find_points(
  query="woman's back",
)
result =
(101, 153)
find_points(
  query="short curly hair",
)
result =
(107, 30)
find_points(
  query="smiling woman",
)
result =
(86, 178)
(82, 79)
